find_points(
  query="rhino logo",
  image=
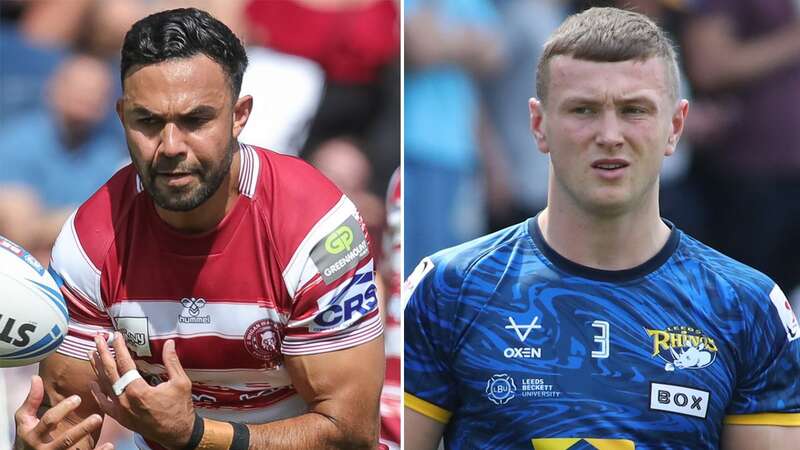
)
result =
(690, 358)
(683, 347)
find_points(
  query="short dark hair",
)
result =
(183, 33)
(608, 35)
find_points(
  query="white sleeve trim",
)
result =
(72, 263)
(301, 268)
(365, 332)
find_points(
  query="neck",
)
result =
(613, 242)
(211, 212)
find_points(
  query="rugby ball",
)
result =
(33, 313)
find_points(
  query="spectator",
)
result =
(60, 154)
(448, 44)
(747, 52)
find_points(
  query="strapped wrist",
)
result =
(198, 429)
(210, 434)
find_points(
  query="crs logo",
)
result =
(340, 310)
(340, 240)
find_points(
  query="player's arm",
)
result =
(59, 412)
(717, 58)
(421, 432)
(342, 389)
(745, 437)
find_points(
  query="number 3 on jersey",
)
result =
(601, 339)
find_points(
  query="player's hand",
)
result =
(43, 434)
(162, 413)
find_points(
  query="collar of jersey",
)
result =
(591, 273)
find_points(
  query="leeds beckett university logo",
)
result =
(193, 307)
(683, 347)
(340, 251)
(263, 340)
(500, 389)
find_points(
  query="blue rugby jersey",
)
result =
(513, 346)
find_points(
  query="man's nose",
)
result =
(609, 132)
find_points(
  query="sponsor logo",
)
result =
(679, 399)
(413, 280)
(341, 250)
(263, 340)
(16, 335)
(203, 398)
(257, 394)
(522, 352)
(534, 325)
(788, 319)
(682, 347)
(22, 254)
(500, 389)
(562, 443)
(340, 240)
(356, 300)
(523, 331)
(192, 307)
(136, 333)
(539, 388)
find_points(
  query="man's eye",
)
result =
(147, 121)
(637, 110)
(582, 110)
(194, 122)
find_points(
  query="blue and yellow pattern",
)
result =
(514, 346)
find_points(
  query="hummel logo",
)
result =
(193, 304)
(519, 328)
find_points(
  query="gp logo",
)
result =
(340, 240)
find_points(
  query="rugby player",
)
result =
(596, 323)
(234, 284)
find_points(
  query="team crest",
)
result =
(682, 347)
(263, 340)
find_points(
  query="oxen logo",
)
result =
(340, 240)
(263, 340)
(683, 347)
(193, 307)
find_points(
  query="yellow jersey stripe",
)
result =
(780, 419)
(426, 408)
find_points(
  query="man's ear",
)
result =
(677, 122)
(537, 124)
(120, 111)
(241, 113)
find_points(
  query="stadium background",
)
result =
(325, 77)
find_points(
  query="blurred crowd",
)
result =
(471, 164)
(324, 74)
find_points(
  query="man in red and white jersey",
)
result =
(391, 270)
(235, 284)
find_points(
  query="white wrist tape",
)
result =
(123, 382)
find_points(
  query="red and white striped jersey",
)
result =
(286, 272)
(392, 252)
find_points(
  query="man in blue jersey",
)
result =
(596, 324)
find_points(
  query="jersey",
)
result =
(392, 266)
(513, 346)
(286, 272)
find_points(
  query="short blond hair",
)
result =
(608, 35)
